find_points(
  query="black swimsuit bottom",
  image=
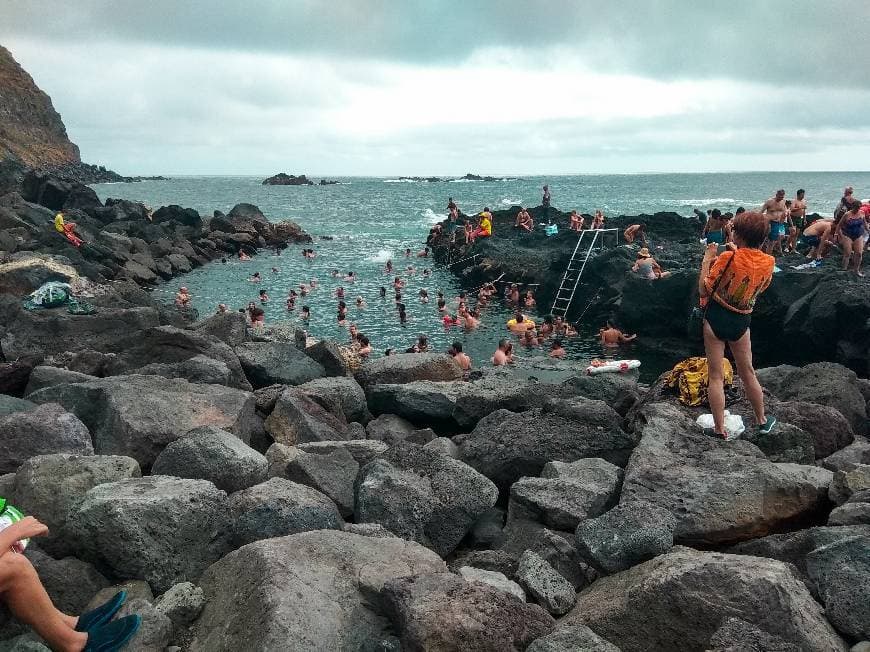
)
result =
(727, 325)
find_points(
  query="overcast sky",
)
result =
(368, 87)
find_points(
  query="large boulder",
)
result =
(840, 572)
(305, 592)
(363, 450)
(212, 454)
(574, 638)
(198, 369)
(422, 496)
(718, 491)
(736, 635)
(625, 536)
(43, 430)
(825, 383)
(69, 582)
(229, 327)
(48, 486)
(332, 473)
(499, 392)
(853, 512)
(391, 429)
(329, 354)
(42, 377)
(494, 579)
(566, 493)
(169, 345)
(549, 589)
(858, 452)
(139, 415)
(420, 401)
(846, 483)
(785, 443)
(296, 418)
(793, 547)
(24, 272)
(177, 214)
(635, 609)
(11, 404)
(827, 425)
(349, 393)
(277, 363)
(440, 611)
(161, 529)
(505, 446)
(278, 507)
(408, 367)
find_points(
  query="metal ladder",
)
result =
(568, 286)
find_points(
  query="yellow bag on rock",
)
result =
(689, 378)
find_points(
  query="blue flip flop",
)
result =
(114, 635)
(102, 614)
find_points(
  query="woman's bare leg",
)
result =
(714, 348)
(742, 351)
(26, 598)
(846, 246)
(858, 254)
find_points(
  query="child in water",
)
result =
(263, 296)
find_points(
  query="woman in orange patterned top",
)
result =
(729, 286)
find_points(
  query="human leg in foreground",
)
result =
(742, 350)
(24, 594)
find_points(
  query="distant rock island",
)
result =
(33, 136)
(283, 179)
(467, 177)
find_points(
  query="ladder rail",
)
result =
(568, 269)
(576, 281)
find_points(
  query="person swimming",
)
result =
(264, 298)
(556, 349)
(256, 278)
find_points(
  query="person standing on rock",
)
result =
(775, 209)
(798, 214)
(852, 232)
(729, 286)
(545, 202)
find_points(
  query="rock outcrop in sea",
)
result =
(284, 179)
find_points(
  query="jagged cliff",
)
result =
(30, 129)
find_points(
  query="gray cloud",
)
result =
(780, 41)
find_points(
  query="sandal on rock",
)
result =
(102, 614)
(112, 636)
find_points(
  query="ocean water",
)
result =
(371, 220)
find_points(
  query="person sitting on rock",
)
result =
(182, 298)
(729, 285)
(484, 226)
(612, 336)
(503, 354)
(634, 232)
(67, 229)
(556, 349)
(468, 232)
(598, 220)
(527, 224)
(461, 358)
(26, 597)
(576, 221)
(647, 267)
(243, 256)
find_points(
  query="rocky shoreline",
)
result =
(253, 493)
(807, 315)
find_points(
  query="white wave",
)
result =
(432, 217)
(706, 202)
(511, 202)
(459, 181)
(382, 256)
(402, 181)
